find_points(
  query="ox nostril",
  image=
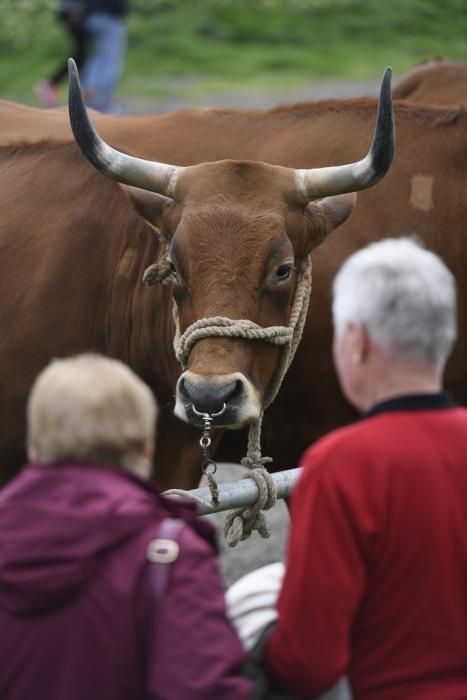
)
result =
(209, 396)
(182, 388)
(228, 391)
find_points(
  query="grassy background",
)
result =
(196, 46)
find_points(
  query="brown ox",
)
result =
(423, 193)
(438, 82)
(415, 200)
(238, 233)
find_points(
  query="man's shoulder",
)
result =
(350, 439)
(356, 447)
(373, 440)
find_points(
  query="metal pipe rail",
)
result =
(236, 494)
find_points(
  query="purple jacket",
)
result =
(76, 618)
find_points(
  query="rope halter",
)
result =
(241, 522)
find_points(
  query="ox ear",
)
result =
(149, 205)
(325, 215)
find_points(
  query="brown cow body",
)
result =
(438, 82)
(74, 276)
(287, 135)
(71, 282)
(423, 193)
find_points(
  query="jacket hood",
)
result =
(57, 523)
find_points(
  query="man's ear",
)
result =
(360, 342)
(324, 215)
(149, 205)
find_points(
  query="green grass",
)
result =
(182, 47)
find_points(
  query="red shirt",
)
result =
(376, 580)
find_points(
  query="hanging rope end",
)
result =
(213, 489)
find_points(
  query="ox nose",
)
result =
(209, 397)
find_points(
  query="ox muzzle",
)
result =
(197, 394)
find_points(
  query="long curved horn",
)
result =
(146, 174)
(322, 182)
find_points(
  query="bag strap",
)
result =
(162, 551)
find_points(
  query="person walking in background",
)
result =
(71, 14)
(376, 575)
(106, 27)
(83, 610)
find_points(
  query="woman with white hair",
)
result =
(108, 590)
(376, 577)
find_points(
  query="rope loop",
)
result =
(222, 327)
(241, 522)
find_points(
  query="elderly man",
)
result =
(376, 579)
(84, 612)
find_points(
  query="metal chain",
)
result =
(209, 466)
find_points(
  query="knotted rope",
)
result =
(243, 521)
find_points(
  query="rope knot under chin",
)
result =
(240, 523)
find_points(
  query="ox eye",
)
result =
(173, 269)
(283, 272)
(173, 275)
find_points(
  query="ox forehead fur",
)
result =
(226, 229)
(227, 245)
(225, 253)
(231, 229)
(261, 184)
(221, 217)
(223, 244)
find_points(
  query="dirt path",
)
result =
(253, 99)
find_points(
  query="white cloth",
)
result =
(251, 601)
(251, 605)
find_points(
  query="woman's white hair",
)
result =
(91, 408)
(403, 295)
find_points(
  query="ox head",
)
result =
(238, 233)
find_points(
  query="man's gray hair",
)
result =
(91, 408)
(403, 295)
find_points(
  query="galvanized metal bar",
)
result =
(235, 494)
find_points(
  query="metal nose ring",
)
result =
(204, 415)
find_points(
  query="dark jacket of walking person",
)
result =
(118, 8)
(78, 596)
(376, 577)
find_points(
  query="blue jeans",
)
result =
(102, 70)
